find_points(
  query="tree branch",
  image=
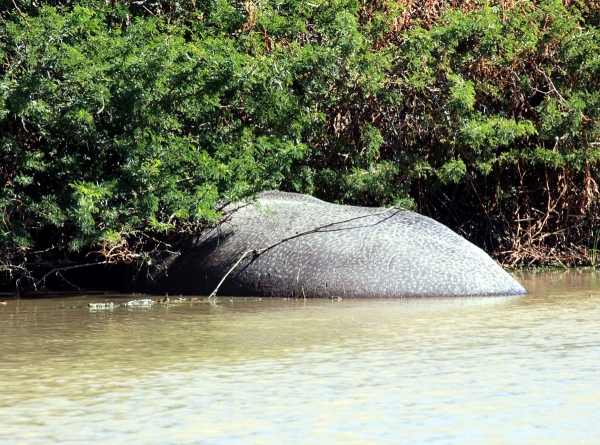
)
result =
(296, 235)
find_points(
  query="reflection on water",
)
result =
(466, 370)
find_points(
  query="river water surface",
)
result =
(460, 370)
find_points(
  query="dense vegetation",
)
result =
(123, 121)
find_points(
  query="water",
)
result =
(467, 370)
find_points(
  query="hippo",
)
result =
(293, 245)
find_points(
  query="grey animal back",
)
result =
(354, 252)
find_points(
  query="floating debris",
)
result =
(101, 305)
(162, 301)
(133, 303)
(147, 302)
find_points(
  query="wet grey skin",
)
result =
(394, 254)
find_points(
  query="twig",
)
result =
(551, 84)
(61, 269)
(69, 283)
(296, 235)
(214, 292)
(22, 15)
(11, 267)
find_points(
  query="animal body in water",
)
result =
(299, 246)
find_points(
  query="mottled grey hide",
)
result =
(394, 254)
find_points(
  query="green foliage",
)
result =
(126, 128)
(481, 74)
(117, 117)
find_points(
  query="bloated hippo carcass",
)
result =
(330, 250)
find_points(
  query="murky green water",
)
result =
(470, 370)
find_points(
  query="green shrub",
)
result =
(125, 118)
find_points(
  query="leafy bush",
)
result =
(122, 121)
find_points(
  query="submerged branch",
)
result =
(58, 270)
